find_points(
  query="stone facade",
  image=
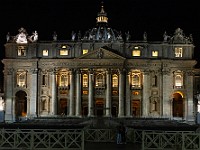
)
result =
(99, 74)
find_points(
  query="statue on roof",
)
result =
(55, 36)
(73, 35)
(8, 37)
(22, 36)
(33, 37)
(145, 36)
(128, 36)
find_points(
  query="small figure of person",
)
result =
(124, 131)
(119, 134)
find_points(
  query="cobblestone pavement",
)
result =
(111, 146)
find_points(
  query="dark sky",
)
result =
(65, 16)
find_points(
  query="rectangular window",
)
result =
(154, 53)
(136, 53)
(45, 52)
(85, 51)
(178, 52)
(64, 52)
(21, 51)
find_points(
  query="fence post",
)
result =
(83, 140)
(143, 136)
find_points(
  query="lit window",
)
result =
(45, 52)
(85, 80)
(114, 80)
(21, 78)
(136, 53)
(99, 80)
(178, 52)
(178, 80)
(135, 79)
(64, 52)
(85, 51)
(135, 93)
(64, 80)
(154, 53)
(21, 51)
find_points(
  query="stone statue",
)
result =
(165, 36)
(8, 37)
(34, 37)
(54, 36)
(145, 36)
(79, 35)
(127, 36)
(73, 35)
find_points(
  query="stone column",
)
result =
(189, 105)
(167, 80)
(78, 93)
(121, 94)
(108, 93)
(71, 94)
(128, 95)
(91, 94)
(54, 103)
(146, 94)
(9, 99)
(33, 93)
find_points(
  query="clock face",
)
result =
(21, 38)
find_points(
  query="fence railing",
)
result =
(42, 139)
(175, 140)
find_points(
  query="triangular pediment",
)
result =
(101, 53)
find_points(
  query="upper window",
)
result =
(99, 80)
(64, 51)
(21, 51)
(21, 78)
(45, 52)
(64, 80)
(114, 80)
(154, 53)
(136, 79)
(178, 79)
(178, 52)
(136, 53)
(85, 80)
(85, 51)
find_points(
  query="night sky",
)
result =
(64, 16)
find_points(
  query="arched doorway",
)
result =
(177, 105)
(21, 104)
(135, 108)
(63, 106)
(99, 107)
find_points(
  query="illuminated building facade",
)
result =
(99, 74)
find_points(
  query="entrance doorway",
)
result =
(21, 104)
(99, 107)
(63, 107)
(135, 107)
(177, 105)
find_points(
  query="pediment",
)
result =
(101, 53)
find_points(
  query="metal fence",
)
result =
(41, 139)
(170, 140)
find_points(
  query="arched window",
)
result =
(99, 80)
(64, 80)
(114, 80)
(178, 80)
(135, 80)
(21, 78)
(85, 80)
